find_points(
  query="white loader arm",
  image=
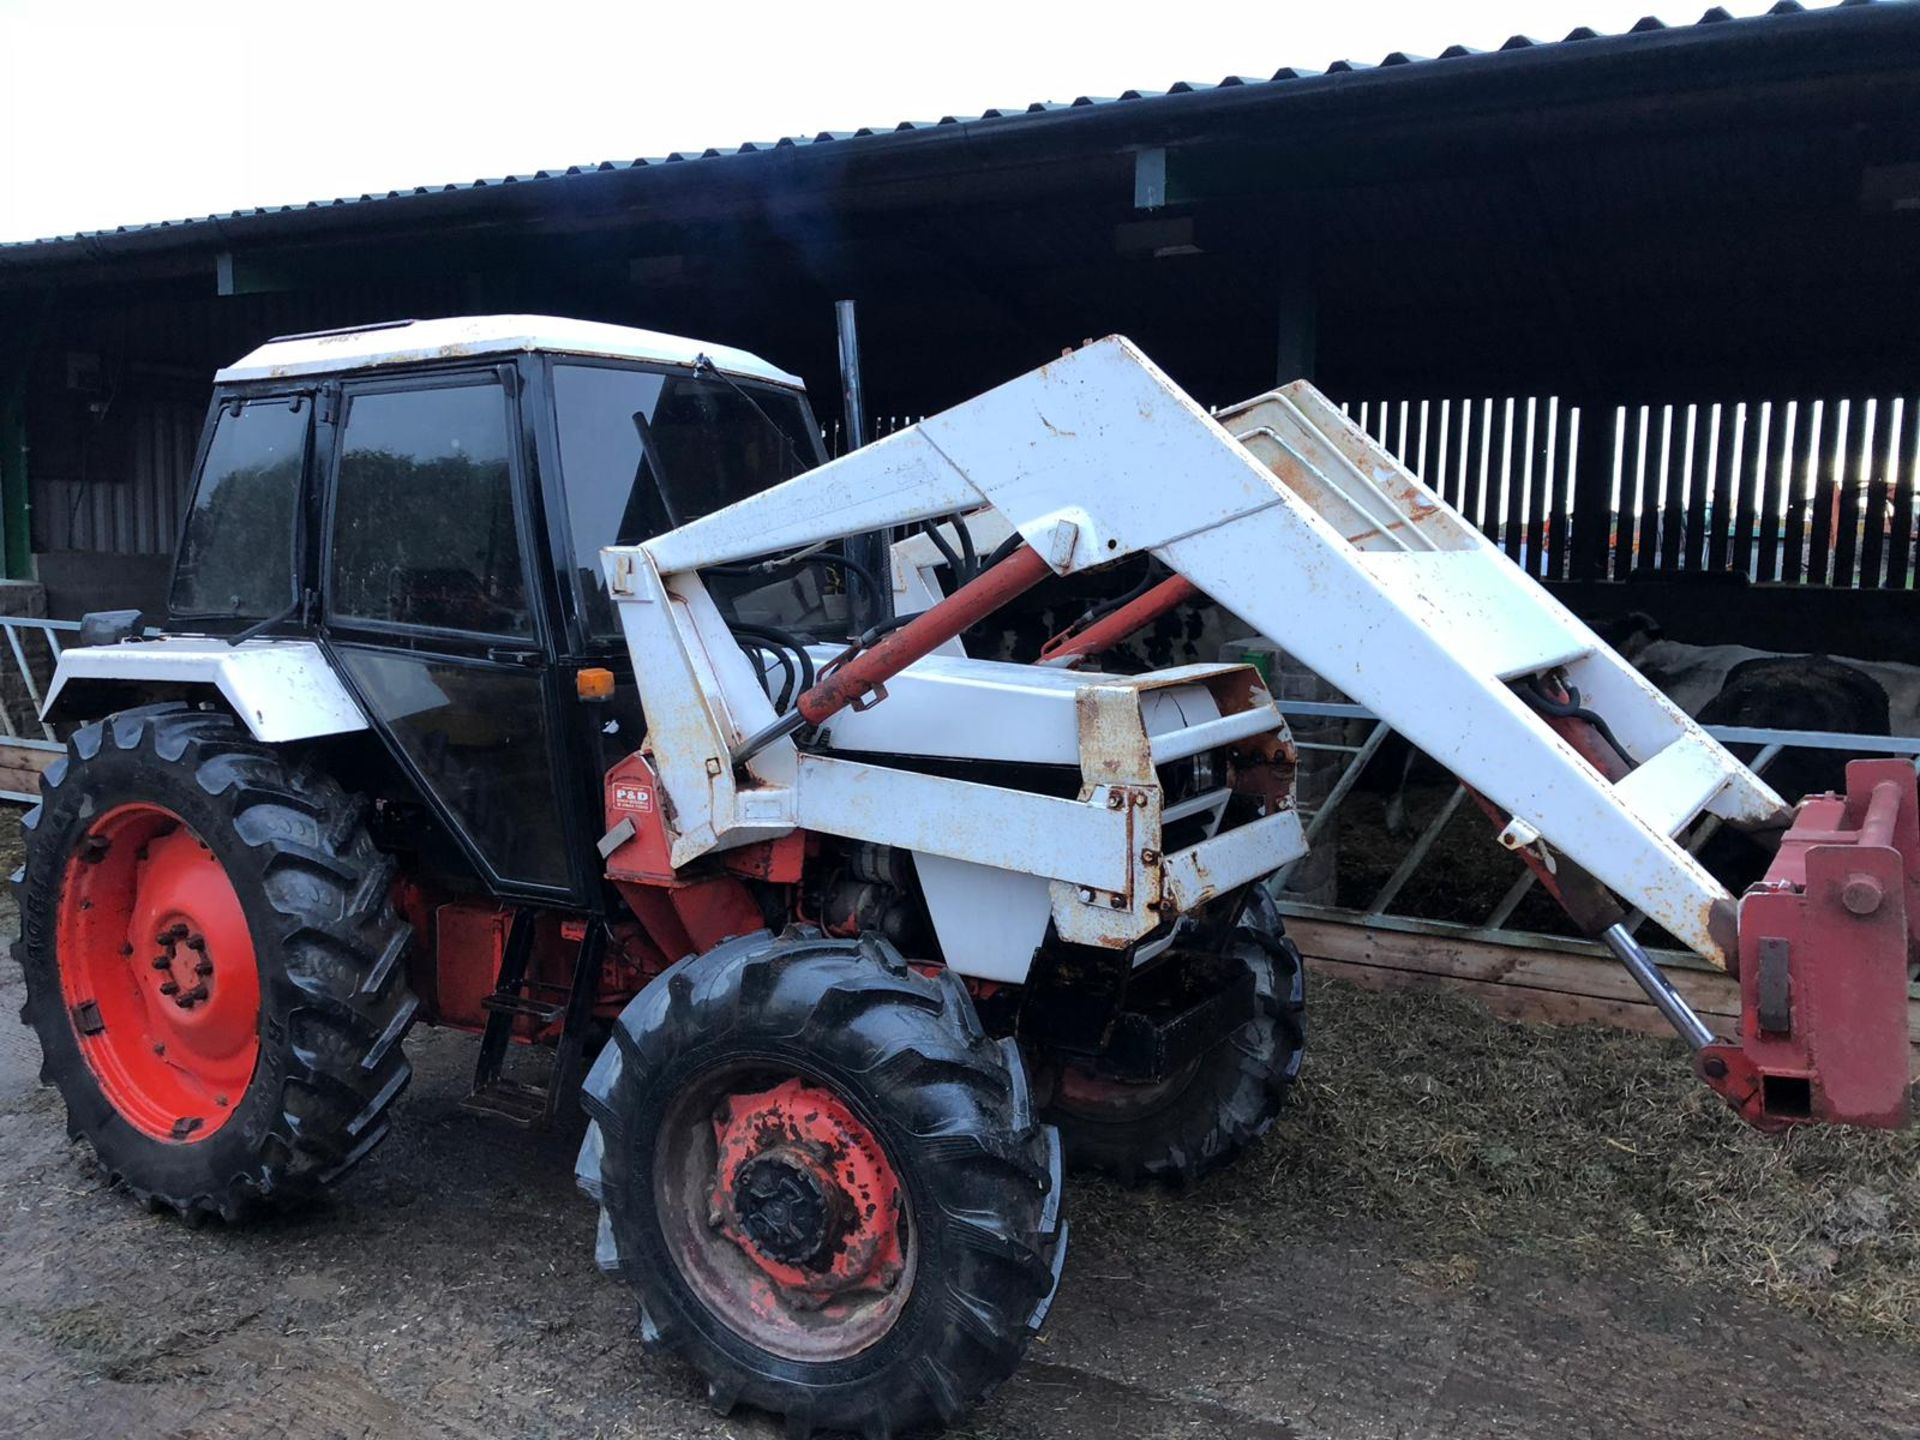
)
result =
(1289, 517)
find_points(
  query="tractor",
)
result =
(545, 680)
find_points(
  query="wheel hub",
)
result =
(195, 965)
(158, 971)
(801, 1186)
(782, 1204)
(782, 1213)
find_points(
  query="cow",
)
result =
(1736, 685)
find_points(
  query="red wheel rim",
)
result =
(158, 972)
(784, 1214)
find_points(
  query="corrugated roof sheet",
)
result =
(18, 251)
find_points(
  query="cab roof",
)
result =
(414, 342)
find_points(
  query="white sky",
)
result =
(123, 113)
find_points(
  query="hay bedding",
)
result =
(1461, 1136)
(1465, 1134)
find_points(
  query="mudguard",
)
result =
(280, 689)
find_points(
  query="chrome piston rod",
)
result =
(1629, 952)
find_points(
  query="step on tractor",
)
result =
(545, 680)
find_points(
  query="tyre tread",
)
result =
(1242, 1086)
(341, 1079)
(914, 1045)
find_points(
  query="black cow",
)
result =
(1801, 692)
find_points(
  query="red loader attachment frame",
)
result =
(1826, 945)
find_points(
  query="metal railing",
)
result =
(21, 727)
(1379, 908)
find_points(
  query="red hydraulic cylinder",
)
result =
(966, 607)
(1110, 630)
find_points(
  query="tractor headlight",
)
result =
(1195, 775)
(1203, 774)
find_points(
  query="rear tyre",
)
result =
(212, 962)
(825, 1182)
(1200, 1119)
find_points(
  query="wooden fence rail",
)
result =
(1527, 978)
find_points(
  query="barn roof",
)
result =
(1667, 51)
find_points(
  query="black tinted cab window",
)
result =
(644, 451)
(237, 549)
(423, 523)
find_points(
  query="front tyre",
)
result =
(212, 963)
(1204, 1116)
(826, 1183)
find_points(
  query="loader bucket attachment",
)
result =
(1826, 942)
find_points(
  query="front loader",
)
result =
(520, 676)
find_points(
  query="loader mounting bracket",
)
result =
(1826, 941)
(1168, 1024)
(1169, 1013)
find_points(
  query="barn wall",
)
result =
(124, 493)
(117, 396)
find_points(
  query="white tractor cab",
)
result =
(544, 679)
(409, 517)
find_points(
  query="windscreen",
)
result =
(236, 551)
(642, 452)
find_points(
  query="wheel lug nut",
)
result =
(199, 992)
(169, 987)
(196, 942)
(162, 962)
(203, 967)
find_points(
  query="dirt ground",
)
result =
(448, 1290)
(1461, 1229)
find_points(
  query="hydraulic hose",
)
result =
(1535, 694)
(787, 643)
(828, 558)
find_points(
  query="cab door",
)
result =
(433, 613)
